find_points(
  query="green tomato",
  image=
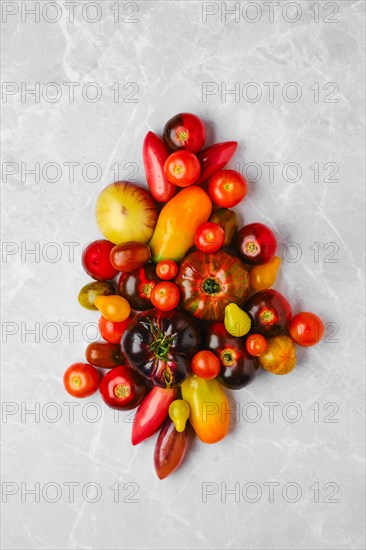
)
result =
(90, 291)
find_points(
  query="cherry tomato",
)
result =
(112, 332)
(167, 269)
(165, 296)
(81, 380)
(227, 188)
(123, 388)
(205, 364)
(209, 237)
(182, 168)
(306, 329)
(96, 260)
(185, 131)
(256, 344)
(114, 308)
(256, 243)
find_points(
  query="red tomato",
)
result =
(81, 380)
(256, 344)
(123, 388)
(185, 131)
(205, 364)
(96, 260)
(306, 329)
(256, 243)
(112, 332)
(209, 237)
(167, 269)
(227, 188)
(182, 168)
(165, 296)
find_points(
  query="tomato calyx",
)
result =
(122, 391)
(268, 316)
(211, 286)
(146, 288)
(251, 247)
(161, 344)
(76, 381)
(227, 357)
(182, 135)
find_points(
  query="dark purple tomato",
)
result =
(185, 131)
(269, 311)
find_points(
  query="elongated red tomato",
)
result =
(170, 449)
(154, 153)
(214, 158)
(151, 413)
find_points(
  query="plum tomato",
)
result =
(182, 168)
(81, 380)
(185, 131)
(256, 344)
(112, 332)
(167, 270)
(209, 237)
(269, 311)
(114, 308)
(103, 355)
(96, 260)
(136, 286)
(306, 329)
(256, 243)
(123, 388)
(205, 364)
(165, 296)
(227, 188)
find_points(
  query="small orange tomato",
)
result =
(256, 344)
(114, 308)
(167, 269)
(205, 364)
(81, 380)
(165, 296)
(264, 275)
(112, 332)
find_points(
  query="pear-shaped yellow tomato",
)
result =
(280, 355)
(126, 212)
(113, 308)
(236, 321)
(178, 223)
(179, 413)
(264, 276)
(209, 407)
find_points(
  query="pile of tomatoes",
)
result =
(185, 296)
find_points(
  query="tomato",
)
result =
(165, 296)
(112, 332)
(179, 412)
(228, 220)
(214, 158)
(182, 168)
(170, 449)
(113, 308)
(81, 380)
(129, 256)
(280, 355)
(209, 282)
(136, 286)
(209, 237)
(154, 154)
(167, 269)
(91, 291)
(306, 329)
(103, 355)
(123, 388)
(264, 275)
(185, 131)
(205, 364)
(227, 188)
(256, 243)
(236, 321)
(237, 367)
(269, 311)
(151, 413)
(256, 344)
(96, 260)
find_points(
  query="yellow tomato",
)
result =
(113, 308)
(264, 276)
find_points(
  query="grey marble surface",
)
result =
(297, 110)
